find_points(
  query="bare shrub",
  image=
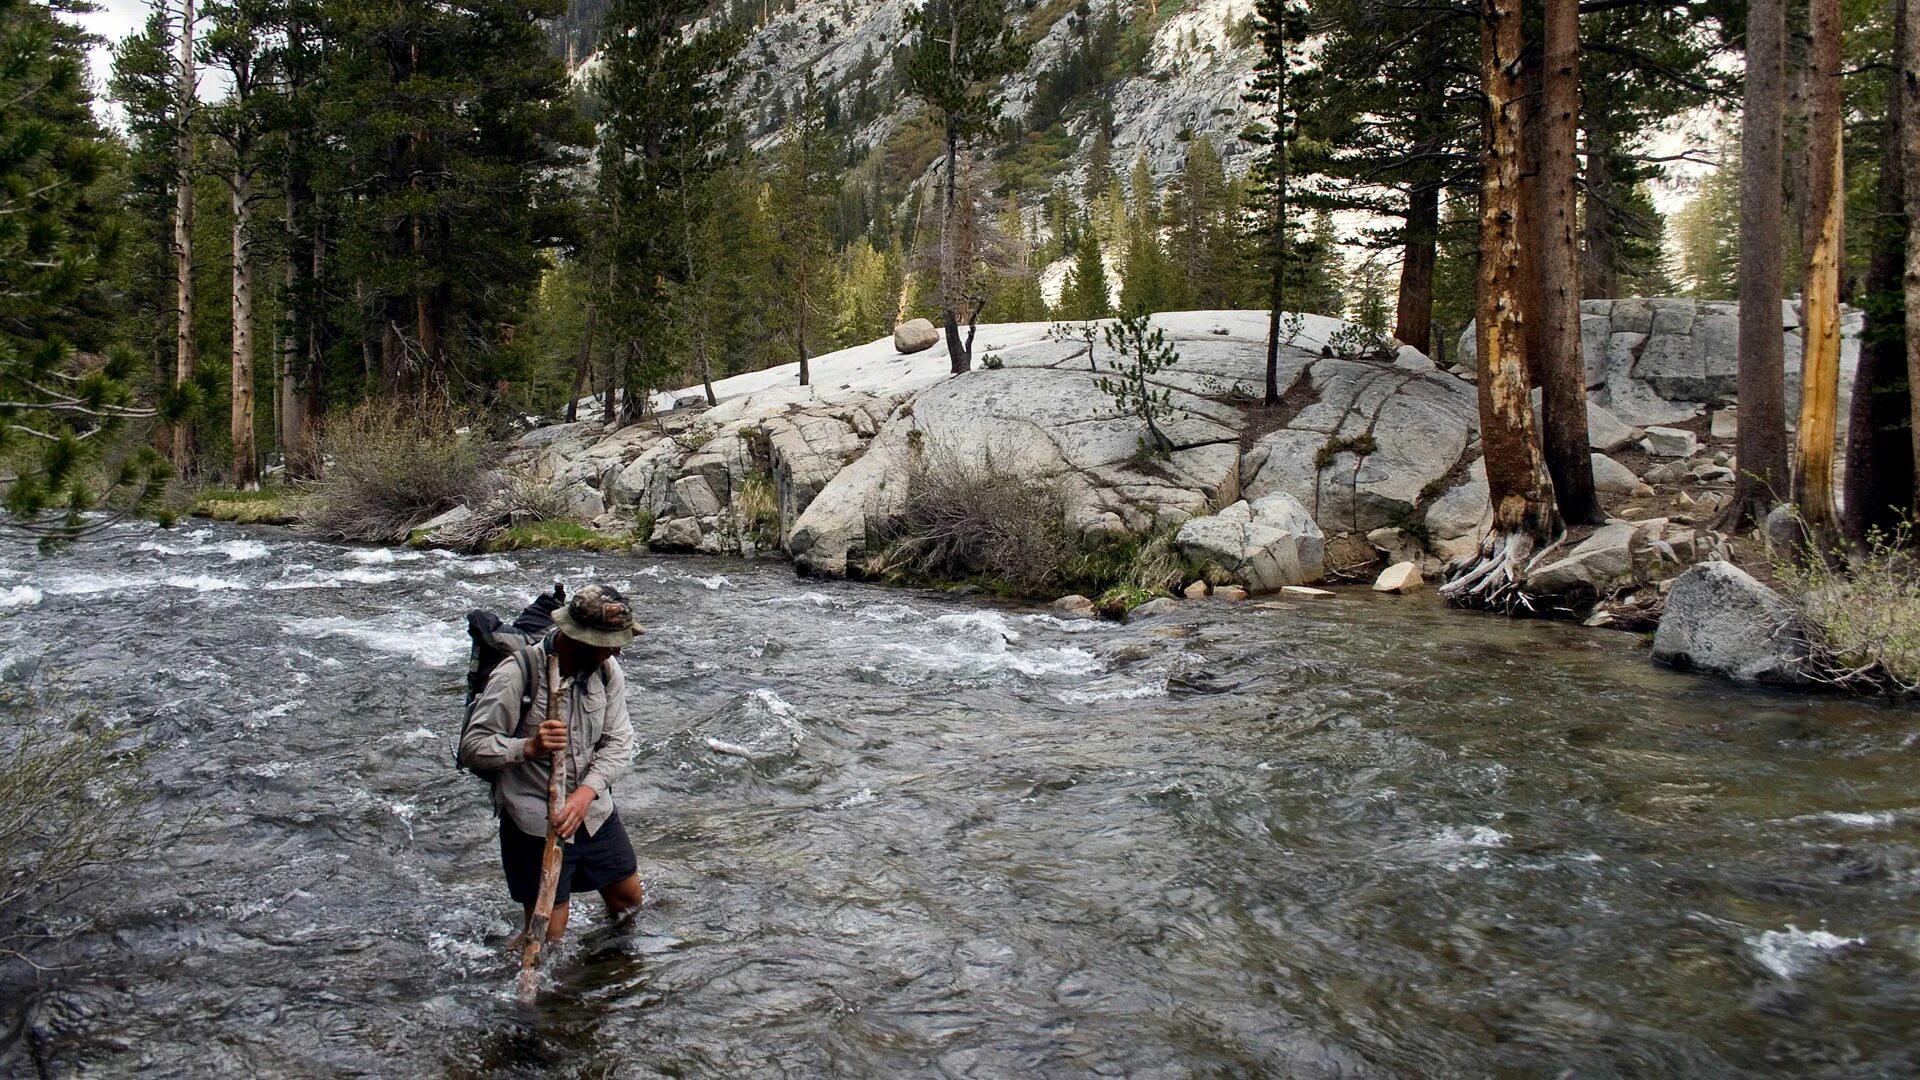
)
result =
(393, 465)
(963, 518)
(71, 809)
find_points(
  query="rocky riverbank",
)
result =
(1370, 463)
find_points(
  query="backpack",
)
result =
(495, 642)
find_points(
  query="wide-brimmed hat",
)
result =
(597, 615)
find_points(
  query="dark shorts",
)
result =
(589, 864)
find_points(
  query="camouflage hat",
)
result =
(597, 615)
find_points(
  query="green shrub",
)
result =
(758, 507)
(393, 465)
(1861, 616)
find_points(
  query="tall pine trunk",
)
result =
(1820, 371)
(1523, 513)
(949, 281)
(1880, 458)
(293, 399)
(1908, 17)
(183, 358)
(1556, 342)
(246, 455)
(1413, 318)
(586, 361)
(1277, 253)
(1762, 444)
(1597, 278)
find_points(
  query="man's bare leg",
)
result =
(556, 925)
(623, 896)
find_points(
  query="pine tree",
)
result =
(143, 85)
(868, 292)
(1391, 107)
(1084, 295)
(666, 128)
(57, 237)
(1149, 281)
(453, 128)
(1524, 515)
(1762, 477)
(1813, 473)
(238, 43)
(801, 198)
(959, 51)
(1320, 282)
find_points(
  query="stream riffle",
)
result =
(890, 833)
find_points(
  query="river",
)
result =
(889, 833)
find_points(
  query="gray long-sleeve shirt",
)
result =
(599, 740)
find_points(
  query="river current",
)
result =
(889, 833)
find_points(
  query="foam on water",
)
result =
(431, 644)
(483, 567)
(89, 584)
(714, 582)
(367, 577)
(20, 596)
(203, 583)
(382, 556)
(1124, 693)
(1863, 820)
(1793, 951)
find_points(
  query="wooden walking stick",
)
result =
(550, 859)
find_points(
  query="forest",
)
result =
(280, 211)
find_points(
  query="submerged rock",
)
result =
(1720, 620)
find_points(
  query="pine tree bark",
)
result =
(293, 399)
(1277, 243)
(183, 354)
(1413, 317)
(1523, 512)
(1556, 344)
(246, 455)
(949, 281)
(586, 361)
(1762, 443)
(1907, 16)
(1880, 455)
(1820, 371)
(1597, 278)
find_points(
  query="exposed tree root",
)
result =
(1496, 580)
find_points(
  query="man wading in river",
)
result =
(518, 744)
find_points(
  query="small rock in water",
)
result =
(1196, 591)
(1230, 592)
(1304, 590)
(1164, 605)
(1075, 605)
(1398, 578)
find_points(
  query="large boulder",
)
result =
(915, 335)
(1265, 544)
(1594, 568)
(1720, 620)
(1368, 445)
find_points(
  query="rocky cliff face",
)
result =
(1187, 83)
